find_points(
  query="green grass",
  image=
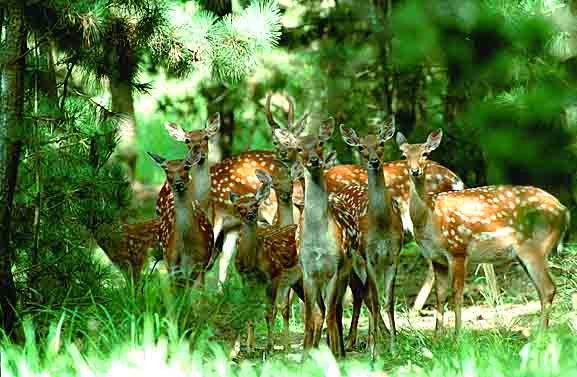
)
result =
(154, 331)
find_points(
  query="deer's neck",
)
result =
(315, 216)
(247, 247)
(201, 190)
(184, 207)
(285, 211)
(379, 210)
(419, 202)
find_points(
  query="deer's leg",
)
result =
(271, 314)
(335, 291)
(425, 289)
(536, 266)
(372, 302)
(357, 290)
(389, 304)
(310, 302)
(441, 288)
(458, 277)
(320, 320)
(286, 296)
(228, 249)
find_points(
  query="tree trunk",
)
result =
(11, 122)
(123, 104)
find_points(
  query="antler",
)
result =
(269, 116)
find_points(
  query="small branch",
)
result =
(66, 78)
(101, 107)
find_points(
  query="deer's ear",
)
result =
(158, 159)
(401, 139)
(193, 156)
(233, 197)
(297, 170)
(263, 176)
(326, 129)
(300, 125)
(285, 137)
(330, 160)
(434, 140)
(349, 136)
(176, 132)
(263, 191)
(387, 129)
(212, 125)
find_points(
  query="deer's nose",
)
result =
(179, 186)
(415, 172)
(374, 163)
(315, 161)
(251, 216)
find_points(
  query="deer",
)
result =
(490, 224)
(127, 245)
(382, 231)
(438, 179)
(266, 256)
(237, 173)
(326, 247)
(198, 139)
(185, 230)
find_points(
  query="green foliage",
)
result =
(66, 180)
(237, 39)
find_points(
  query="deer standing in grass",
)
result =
(186, 234)
(266, 257)
(438, 178)
(324, 245)
(234, 173)
(127, 246)
(382, 232)
(490, 224)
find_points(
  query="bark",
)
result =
(123, 104)
(12, 106)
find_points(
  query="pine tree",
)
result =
(11, 121)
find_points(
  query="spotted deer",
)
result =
(382, 231)
(266, 256)
(490, 224)
(185, 230)
(438, 178)
(237, 174)
(324, 245)
(198, 139)
(127, 245)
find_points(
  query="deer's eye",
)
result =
(187, 141)
(206, 137)
(299, 149)
(321, 143)
(382, 143)
(186, 167)
(361, 147)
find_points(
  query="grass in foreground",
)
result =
(158, 334)
(154, 332)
